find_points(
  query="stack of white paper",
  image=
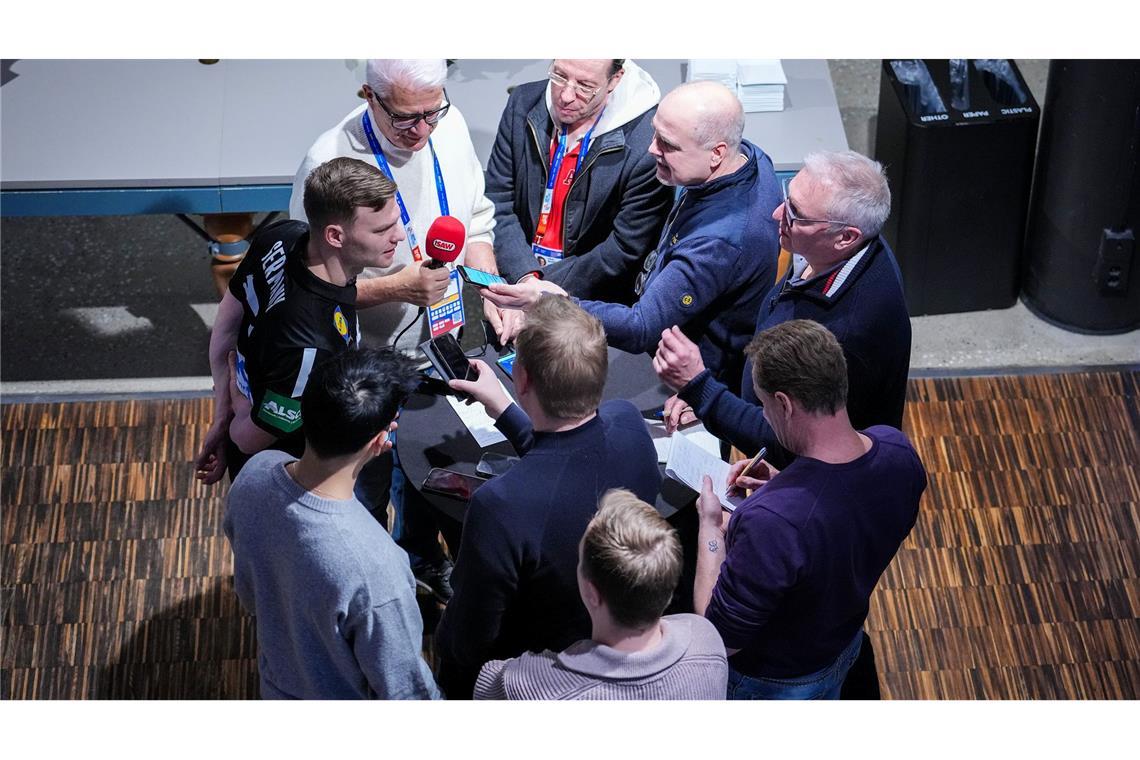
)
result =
(714, 70)
(760, 84)
(663, 442)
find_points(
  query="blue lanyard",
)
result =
(556, 162)
(405, 217)
(555, 166)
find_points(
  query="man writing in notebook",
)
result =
(787, 581)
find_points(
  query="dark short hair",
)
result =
(633, 557)
(563, 349)
(615, 67)
(352, 397)
(803, 359)
(336, 188)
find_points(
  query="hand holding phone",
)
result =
(478, 277)
(485, 389)
(447, 357)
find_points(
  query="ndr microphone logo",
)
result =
(443, 245)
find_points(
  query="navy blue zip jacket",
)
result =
(714, 264)
(614, 209)
(866, 312)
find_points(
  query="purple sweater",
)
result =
(805, 553)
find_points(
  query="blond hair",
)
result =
(633, 557)
(563, 350)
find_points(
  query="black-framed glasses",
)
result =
(792, 217)
(580, 91)
(406, 121)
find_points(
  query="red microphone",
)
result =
(445, 239)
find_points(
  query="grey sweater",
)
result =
(689, 663)
(333, 595)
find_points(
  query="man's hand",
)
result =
(210, 464)
(678, 360)
(494, 315)
(677, 414)
(506, 322)
(417, 284)
(523, 295)
(709, 509)
(424, 285)
(485, 389)
(387, 445)
(513, 321)
(760, 474)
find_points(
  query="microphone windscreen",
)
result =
(445, 239)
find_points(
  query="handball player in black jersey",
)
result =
(291, 305)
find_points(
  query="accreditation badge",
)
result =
(447, 314)
(546, 255)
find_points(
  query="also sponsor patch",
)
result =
(341, 325)
(280, 412)
(687, 299)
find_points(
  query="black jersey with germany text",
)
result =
(291, 321)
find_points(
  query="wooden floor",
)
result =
(1020, 580)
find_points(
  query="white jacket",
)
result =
(415, 178)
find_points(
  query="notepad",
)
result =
(663, 441)
(689, 462)
(475, 418)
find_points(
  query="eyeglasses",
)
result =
(582, 93)
(792, 217)
(406, 121)
(647, 268)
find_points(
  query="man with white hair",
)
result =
(843, 276)
(577, 199)
(716, 258)
(411, 131)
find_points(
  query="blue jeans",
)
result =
(822, 684)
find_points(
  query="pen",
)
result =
(752, 463)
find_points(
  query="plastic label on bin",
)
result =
(1003, 84)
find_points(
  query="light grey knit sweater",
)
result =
(689, 663)
(334, 596)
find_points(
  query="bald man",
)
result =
(716, 259)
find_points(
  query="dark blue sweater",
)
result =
(805, 552)
(868, 315)
(515, 580)
(714, 264)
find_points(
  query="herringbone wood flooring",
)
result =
(1020, 580)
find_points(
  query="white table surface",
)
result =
(71, 124)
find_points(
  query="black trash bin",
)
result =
(957, 139)
(1085, 215)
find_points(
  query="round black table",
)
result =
(432, 435)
